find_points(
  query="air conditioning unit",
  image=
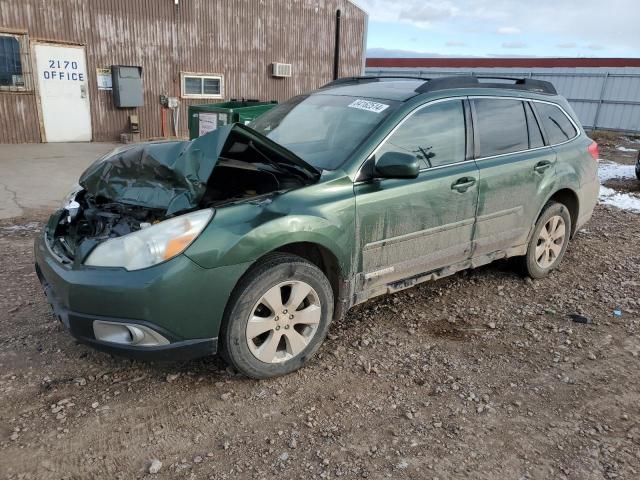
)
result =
(281, 69)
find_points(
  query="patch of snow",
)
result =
(609, 196)
(27, 227)
(609, 170)
(625, 149)
(623, 201)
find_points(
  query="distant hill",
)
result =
(398, 53)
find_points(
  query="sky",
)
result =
(503, 28)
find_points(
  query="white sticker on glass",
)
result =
(208, 123)
(368, 105)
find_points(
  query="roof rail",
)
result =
(528, 84)
(368, 79)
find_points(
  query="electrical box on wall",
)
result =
(127, 86)
(173, 102)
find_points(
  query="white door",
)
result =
(64, 92)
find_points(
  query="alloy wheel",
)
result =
(550, 241)
(283, 321)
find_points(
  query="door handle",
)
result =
(540, 167)
(463, 184)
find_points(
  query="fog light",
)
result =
(127, 334)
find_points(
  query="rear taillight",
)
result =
(593, 150)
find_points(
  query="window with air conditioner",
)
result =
(281, 69)
(196, 85)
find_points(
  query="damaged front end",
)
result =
(86, 221)
(143, 204)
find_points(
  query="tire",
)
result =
(535, 265)
(290, 337)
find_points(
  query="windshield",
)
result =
(323, 130)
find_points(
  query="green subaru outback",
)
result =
(249, 240)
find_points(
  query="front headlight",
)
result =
(150, 245)
(71, 196)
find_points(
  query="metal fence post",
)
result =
(604, 86)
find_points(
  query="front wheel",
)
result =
(549, 240)
(278, 317)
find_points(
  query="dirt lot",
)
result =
(480, 375)
(624, 151)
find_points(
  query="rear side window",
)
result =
(436, 135)
(501, 126)
(535, 135)
(558, 127)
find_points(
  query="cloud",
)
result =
(594, 46)
(455, 43)
(424, 14)
(508, 31)
(514, 45)
(549, 25)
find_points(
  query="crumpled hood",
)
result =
(173, 175)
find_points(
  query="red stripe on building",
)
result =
(500, 62)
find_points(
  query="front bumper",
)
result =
(80, 325)
(178, 299)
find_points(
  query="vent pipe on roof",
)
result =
(336, 55)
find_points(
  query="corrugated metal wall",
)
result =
(18, 118)
(605, 98)
(237, 38)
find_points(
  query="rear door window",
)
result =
(558, 127)
(535, 135)
(501, 126)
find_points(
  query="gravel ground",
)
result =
(480, 375)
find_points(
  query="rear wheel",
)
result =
(549, 240)
(278, 317)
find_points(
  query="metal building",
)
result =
(56, 58)
(604, 92)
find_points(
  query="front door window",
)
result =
(435, 135)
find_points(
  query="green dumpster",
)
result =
(206, 117)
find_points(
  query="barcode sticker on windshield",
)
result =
(369, 106)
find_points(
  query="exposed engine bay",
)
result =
(234, 181)
(88, 220)
(137, 186)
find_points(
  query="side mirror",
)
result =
(397, 165)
